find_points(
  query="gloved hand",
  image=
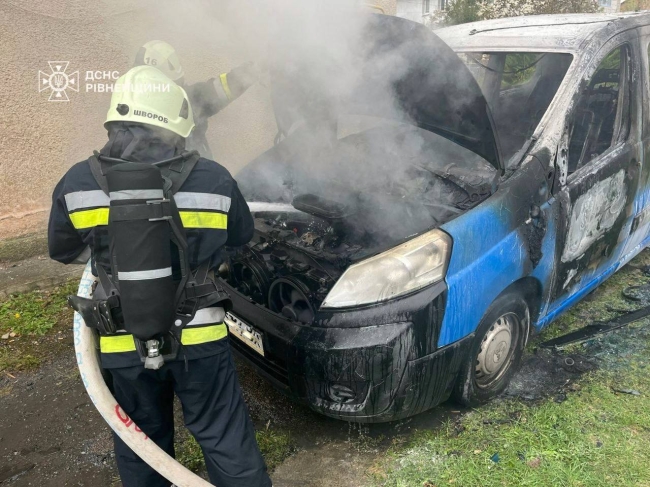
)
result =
(243, 77)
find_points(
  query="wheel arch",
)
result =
(530, 289)
(525, 295)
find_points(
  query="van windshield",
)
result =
(519, 87)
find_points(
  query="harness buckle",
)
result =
(160, 209)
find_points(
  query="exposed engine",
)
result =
(363, 195)
(294, 259)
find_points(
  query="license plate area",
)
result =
(245, 332)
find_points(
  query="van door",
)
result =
(602, 149)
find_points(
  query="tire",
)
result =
(496, 351)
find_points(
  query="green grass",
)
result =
(12, 361)
(28, 321)
(275, 446)
(36, 312)
(597, 437)
(188, 452)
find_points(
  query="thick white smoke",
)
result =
(320, 45)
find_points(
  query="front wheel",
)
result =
(496, 351)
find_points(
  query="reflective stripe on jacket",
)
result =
(202, 337)
(212, 209)
(213, 212)
(88, 209)
(207, 326)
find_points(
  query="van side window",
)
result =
(602, 116)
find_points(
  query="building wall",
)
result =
(610, 6)
(388, 6)
(634, 5)
(410, 9)
(415, 9)
(40, 140)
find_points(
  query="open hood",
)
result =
(402, 71)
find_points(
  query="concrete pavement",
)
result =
(34, 273)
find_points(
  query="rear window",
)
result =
(519, 87)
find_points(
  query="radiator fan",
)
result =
(250, 279)
(288, 297)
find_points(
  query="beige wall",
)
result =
(615, 6)
(633, 5)
(389, 6)
(40, 140)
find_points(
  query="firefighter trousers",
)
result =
(214, 412)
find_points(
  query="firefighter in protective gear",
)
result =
(208, 97)
(146, 124)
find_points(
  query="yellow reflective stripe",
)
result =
(204, 219)
(189, 336)
(224, 83)
(190, 219)
(117, 344)
(89, 218)
(196, 336)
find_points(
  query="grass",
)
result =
(275, 446)
(597, 437)
(188, 452)
(35, 313)
(12, 361)
(28, 321)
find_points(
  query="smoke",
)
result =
(347, 90)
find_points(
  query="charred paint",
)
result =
(494, 247)
(365, 353)
(548, 234)
(593, 214)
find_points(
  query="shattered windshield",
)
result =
(519, 88)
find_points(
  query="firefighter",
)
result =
(145, 127)
(207, 97)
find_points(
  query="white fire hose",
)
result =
(117, 419)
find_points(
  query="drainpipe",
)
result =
(88, 361)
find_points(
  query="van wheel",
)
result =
(496, 351)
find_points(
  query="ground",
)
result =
(576, 417)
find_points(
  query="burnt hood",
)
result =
(402, 71)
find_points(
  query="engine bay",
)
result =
(291, 264)
(366, 193)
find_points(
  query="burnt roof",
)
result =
(565, 33)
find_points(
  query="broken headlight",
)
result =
(401, 270)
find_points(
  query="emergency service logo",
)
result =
(58, 81)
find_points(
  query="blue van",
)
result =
(406, 249)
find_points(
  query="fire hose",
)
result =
(113, 414)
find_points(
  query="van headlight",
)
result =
(401, 270)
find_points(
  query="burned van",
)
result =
(466, 188)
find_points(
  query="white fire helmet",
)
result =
(162, 56)
(145, 95)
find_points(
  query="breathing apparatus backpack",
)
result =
(141, 295)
